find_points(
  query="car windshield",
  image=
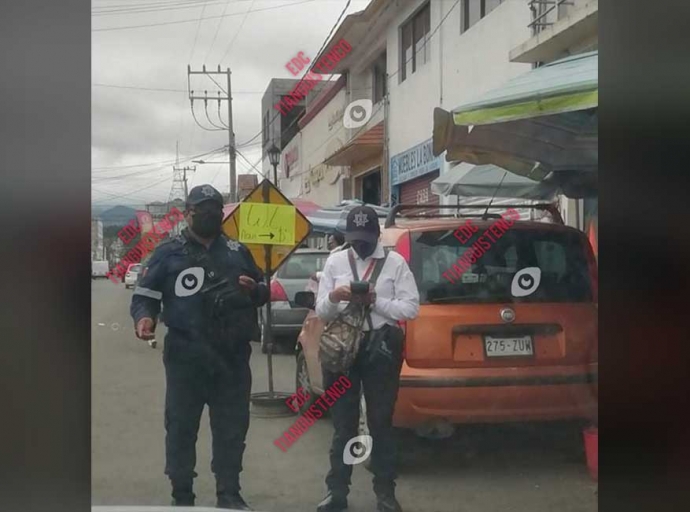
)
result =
(559, 256)
(135, 268)
(302, 266)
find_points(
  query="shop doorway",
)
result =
(371, 187)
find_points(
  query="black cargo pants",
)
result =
(225, 387)
(379, 374)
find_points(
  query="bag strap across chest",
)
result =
(378, 267)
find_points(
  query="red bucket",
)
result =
(591, 436)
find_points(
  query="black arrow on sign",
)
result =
(270, 234)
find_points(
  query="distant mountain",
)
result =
(117, 216)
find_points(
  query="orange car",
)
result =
(481, 350)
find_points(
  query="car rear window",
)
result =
(135, 268)
(302, 266)
(559, 255)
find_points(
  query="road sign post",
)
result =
(272, 228)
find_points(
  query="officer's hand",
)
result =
(247, 283)
(145, 328)
(341, 293)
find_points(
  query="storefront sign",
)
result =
(289, 160)
(413, 163)
(317, 173)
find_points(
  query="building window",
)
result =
(415, 45)
(471, 11)
(266, 116)
(380, 79)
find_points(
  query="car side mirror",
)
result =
(305, 299)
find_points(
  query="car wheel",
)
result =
(363, 427)
(302, 381)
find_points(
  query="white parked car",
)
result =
(132, 274)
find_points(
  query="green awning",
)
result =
(539, 123)
(566, 85)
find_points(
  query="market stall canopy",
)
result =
(468, 180)
(328, 220)
(542, 122)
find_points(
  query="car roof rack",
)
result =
(390, 220)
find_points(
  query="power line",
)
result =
(215, 36)
(246, 14)
(191, 105)
(209, 119)
(196, 35)
(220, 118)
(135, 191)
(144, 9)
(328, 37)
(117, 167)
(198, 19)
(139, 5)
(161, 89)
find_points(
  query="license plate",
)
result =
(507, 347)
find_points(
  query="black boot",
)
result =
(333, 502)
(232, 501)
(182, 503)
(182, 494)
(386, 502)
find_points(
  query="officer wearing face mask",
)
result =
(210, 288)
(376, 368)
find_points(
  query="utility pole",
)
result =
(228, 127)
(179, 186)
(231, 141)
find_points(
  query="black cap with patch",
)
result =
(203, 193)
(362, 224)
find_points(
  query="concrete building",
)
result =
(408, 57)
(443, 56)
(405, 60)
(277, 128)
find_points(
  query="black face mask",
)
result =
(207, 224)
(362, 248)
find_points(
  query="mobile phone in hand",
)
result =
(359, 287)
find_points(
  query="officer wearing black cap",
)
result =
(210, 288)
(394, 297)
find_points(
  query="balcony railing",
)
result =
(547, 12)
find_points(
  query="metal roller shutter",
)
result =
(418, 190)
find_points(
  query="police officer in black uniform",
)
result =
(210, 288)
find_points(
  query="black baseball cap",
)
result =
(362, 224)
(202, 193)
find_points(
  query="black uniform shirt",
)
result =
(177, 279)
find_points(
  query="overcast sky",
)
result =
(133, 126)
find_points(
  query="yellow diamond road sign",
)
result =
(269, 225)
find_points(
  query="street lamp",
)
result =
(274, 159)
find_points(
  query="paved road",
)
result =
(482, 468)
